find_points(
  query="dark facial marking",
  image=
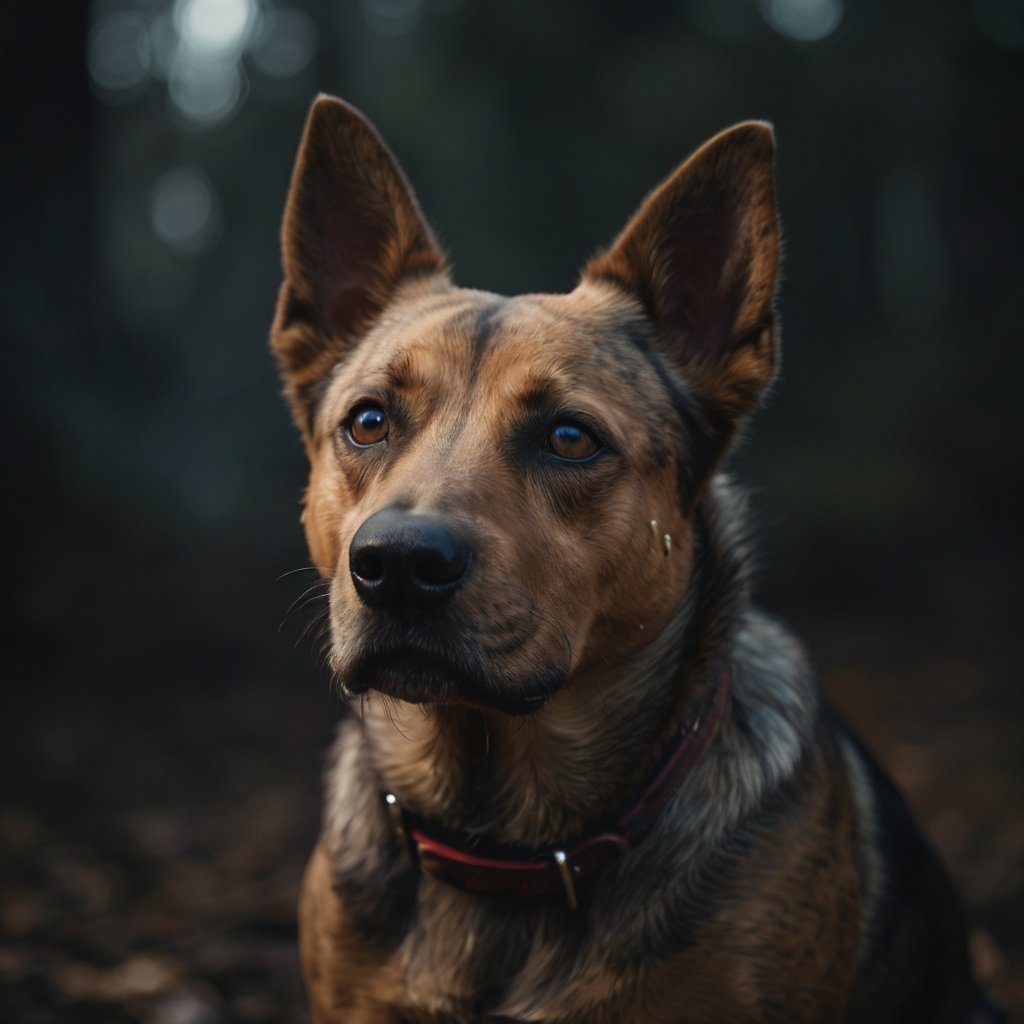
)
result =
(485, 326)
(311, 395)
(705, 434)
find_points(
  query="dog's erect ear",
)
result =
(352, 230)
(702, 255)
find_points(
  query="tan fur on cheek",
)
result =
(638, 586)
(323, 512)
(659, 582)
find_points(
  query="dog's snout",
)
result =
(397, 558)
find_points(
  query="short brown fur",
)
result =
(599, 598)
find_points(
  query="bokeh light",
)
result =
(204, 92)
(286, 43)
(392, 17)
(183, 210)
(217, 29)
(118, 56)
(201, 49)
(806, 21)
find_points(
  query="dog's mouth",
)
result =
(410, 673)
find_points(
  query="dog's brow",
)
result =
(541, 393)
(399, 373)
(409, 369)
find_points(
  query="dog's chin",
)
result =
(419, 678)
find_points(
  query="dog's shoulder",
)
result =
(912, 956)
(914, 962)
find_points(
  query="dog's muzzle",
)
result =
(410, 642)
(398, 559)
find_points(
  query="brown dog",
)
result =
(583, 780)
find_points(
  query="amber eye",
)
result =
(369, 426)
(571, 441)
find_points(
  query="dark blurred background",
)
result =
(163, 717)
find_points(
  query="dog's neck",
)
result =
(545, 778)
(537, 779)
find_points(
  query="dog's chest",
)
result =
(467, 960)
(469, 978)
(504, 960)
(513, 962)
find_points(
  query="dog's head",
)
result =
(502, 490)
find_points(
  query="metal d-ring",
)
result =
(562, 862)
(397, 821)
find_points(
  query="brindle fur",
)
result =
(770, 888)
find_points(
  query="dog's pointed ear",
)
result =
(352, 231)
(702, 256)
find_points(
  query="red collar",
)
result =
(556, 869)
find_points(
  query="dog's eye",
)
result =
(369, 426)
(571, 441)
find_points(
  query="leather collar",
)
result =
(449, 855)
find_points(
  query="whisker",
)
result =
(316, 627)
(390, 710)
(302, 568)
(310, 595)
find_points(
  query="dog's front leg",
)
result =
(338, 968)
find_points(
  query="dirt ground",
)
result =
(153, 841)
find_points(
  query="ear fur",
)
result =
(702, 255)
(352, 230)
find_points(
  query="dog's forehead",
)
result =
(482, 339)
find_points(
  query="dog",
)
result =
(582, 778)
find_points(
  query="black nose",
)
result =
(397, 558)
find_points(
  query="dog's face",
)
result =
(501, 490)
(485, 477)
